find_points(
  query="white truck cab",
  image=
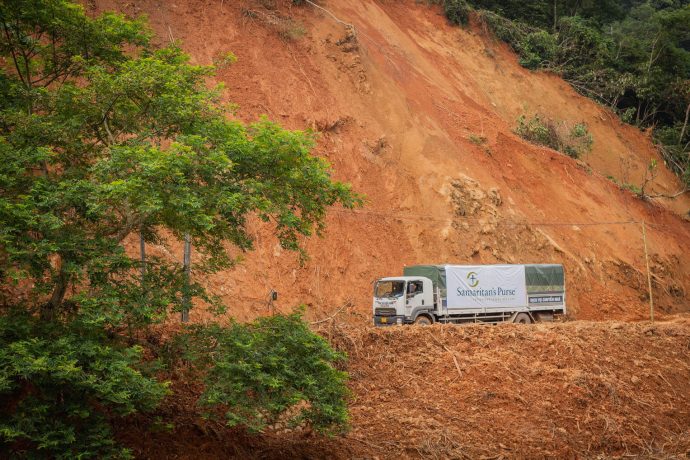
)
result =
(402, 299)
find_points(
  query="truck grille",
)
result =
(384, 312)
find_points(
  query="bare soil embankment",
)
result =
(566, 390)
(419, 115)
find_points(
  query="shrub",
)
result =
(289, 29)
(538, 49)
(62, 383)
(581, 47)
(477, 140)
(579, 141)
(541, 130)
(511, 32)
(223, 60)
(674, 143)
(538, 131)
(457, 11)
(273, 369)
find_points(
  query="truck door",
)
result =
(414, 297)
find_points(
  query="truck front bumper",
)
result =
(388, 320)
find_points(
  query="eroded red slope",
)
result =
(399, 105)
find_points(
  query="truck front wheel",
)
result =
(522, 318)
(422, 321)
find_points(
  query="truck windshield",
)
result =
(389, 289)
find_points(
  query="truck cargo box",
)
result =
(483, 287)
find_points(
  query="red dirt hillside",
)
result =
(403, 103)
(399, 104)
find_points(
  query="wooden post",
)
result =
(142, 250)
(649, 273)
(272, 296)
(187, 263)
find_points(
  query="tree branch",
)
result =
(671, 196)
(10, 43)
(130, 224)
(337, 312)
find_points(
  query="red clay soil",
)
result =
(418, 115)
(571, 390)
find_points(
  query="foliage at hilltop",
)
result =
(102, 136)
(631, 55)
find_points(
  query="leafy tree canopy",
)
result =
(102, 136)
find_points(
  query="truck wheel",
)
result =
(522, 318)
(543, 317)
(422, 321)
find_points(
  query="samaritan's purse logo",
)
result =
(472, 278)
(489, 291)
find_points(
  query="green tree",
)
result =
(101, 137)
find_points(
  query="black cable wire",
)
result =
(372, 213)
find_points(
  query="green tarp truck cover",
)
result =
(436, 273)
(545, 278)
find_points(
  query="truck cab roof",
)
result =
(402, 278)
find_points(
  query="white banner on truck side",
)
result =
(486, 286)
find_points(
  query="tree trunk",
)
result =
(187, 263)
(685, 125)
(49, 309)
(142, 252)
(651, 55)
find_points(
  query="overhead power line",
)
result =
(427, 217)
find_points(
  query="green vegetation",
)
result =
(631, 55)
(650, 173)
(287, 28)
(477, 140)
(626, 186)
(224, 60)
(573, 141)
(102, 137)
(457, 11)
(271, 383)
(480, 141)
